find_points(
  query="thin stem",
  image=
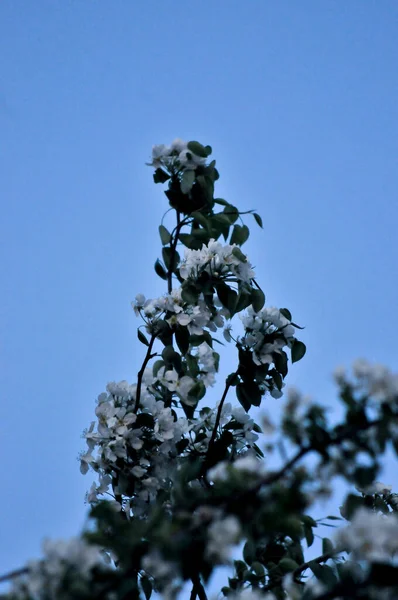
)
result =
(140, 375)
(173, 247)
(218, 418)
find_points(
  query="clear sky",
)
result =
(299, 101)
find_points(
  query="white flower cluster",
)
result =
(241, 424)
(377, 487)
(222, 535)
(370, 536)
(47, 578)
(375, 380)
(175, 156)
(247, 465)
(196, 317)
(259, 325)
(206, 361)
(144, 450)
(216, 259)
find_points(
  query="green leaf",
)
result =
(171, 259)
(242, 397)
(160, 270)
(171, 357)
(227, 296)
(280, 361)
(258, 569)
(189, 293)
(198, 149)
(197, 391)
(221, 218)
(257, 300)
(182, 338)
(186, 239)
(221, 201)
(258, 219)
(298, 350)
(309, 535)
(244, 300)
(327, 545)
(192, 364)
(157, 366)
(160, 176)
(142, 337)
(165, 236)
(231, 212)
(196, 340)
(187, 181)
(324, 573)
(232, 379)
(249, 552)
(146, 586)
(286, 313)
(288, 565)
(240, 234)
(239, 254)
(200, 219)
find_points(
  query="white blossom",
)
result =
(45, 578)
(370, 536)
(222, 534)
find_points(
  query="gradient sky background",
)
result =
(299, 101)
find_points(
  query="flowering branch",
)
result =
(188, 485)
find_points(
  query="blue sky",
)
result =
(298, 100)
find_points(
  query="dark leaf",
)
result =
(160, 270)
(286, 313)
(259, 220)
(239, 254)
(257, 299)
(197, 391)
(187, 181)
(327, 545)
(198, 149)
(240, 234)
(160, 176)
(146, 586)
(227, 296)
(249, 552)
(324, 573)
(165, 236)
(242, 397)
(142, 337)
(298, 350)
(182, 338)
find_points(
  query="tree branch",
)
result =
(173, 247)
(140, 375)
(14, 574)
(218, 418)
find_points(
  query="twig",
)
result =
(218, 418)
(14, 574)
(140, 375)
(173, 247)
